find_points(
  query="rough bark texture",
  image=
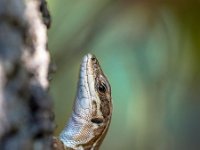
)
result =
(25, 106)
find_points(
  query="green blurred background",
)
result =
(150, 52)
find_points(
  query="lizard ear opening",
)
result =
(97, 120)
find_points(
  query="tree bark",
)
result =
(26, 120)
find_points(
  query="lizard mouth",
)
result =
(86, 87)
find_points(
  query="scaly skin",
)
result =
(92, 110)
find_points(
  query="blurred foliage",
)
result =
(150, 51)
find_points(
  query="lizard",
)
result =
(92, 110)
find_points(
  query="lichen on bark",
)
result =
(26, 120)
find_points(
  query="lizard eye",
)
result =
(102, 88)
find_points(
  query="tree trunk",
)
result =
(26, 120)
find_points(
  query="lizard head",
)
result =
(94, 92)
(92, 109)
(94, 100)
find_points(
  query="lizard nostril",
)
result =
(93, 59)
